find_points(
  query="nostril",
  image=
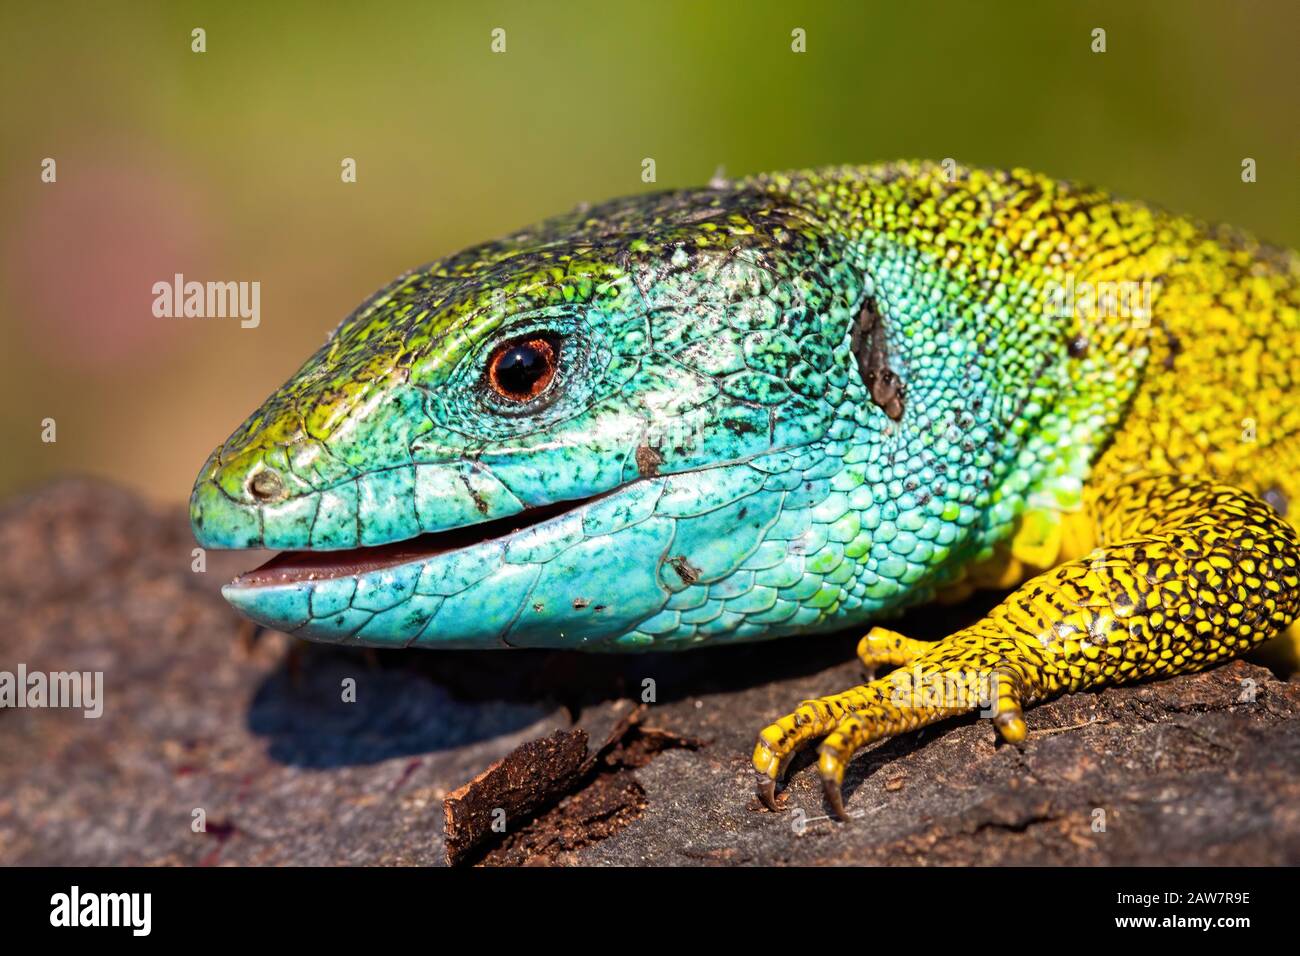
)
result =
(266, 485)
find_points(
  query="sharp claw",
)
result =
(835, 798)
(766, 788)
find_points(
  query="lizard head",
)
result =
(581, 435)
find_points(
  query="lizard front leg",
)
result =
(1188, 573)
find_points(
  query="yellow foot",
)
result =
(1186, 574)
(969, 671)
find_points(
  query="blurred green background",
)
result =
(225, 165)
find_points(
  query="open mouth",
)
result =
(294, 567)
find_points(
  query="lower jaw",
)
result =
(458, 589)
(490, 604)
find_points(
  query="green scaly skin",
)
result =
(791, 404)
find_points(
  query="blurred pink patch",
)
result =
(84, 254)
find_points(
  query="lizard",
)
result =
(794, 403)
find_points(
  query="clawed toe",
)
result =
(765, 787)
(835, 797)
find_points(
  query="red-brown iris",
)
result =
(520, 370)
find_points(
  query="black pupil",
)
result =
(521, 367)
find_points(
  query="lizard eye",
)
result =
(521, 369)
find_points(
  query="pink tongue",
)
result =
(289, 567)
